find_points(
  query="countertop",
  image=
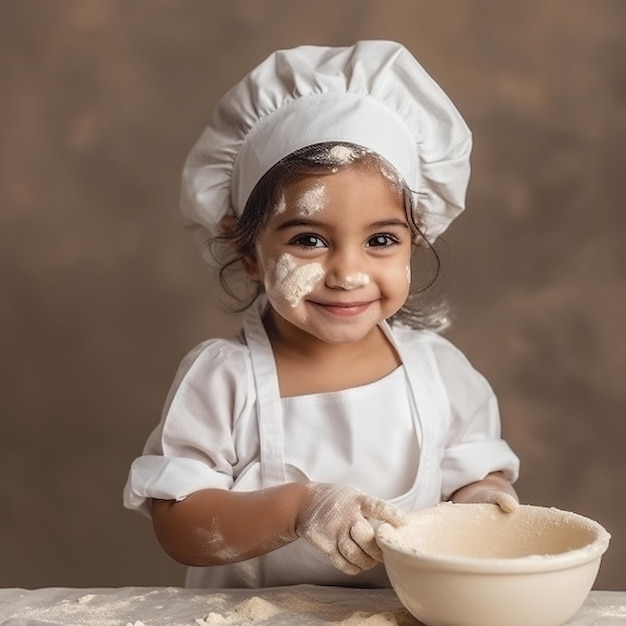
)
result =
(299, 605)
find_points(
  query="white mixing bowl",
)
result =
(473, 565)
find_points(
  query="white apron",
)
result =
(299, 562)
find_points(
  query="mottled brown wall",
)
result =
(102, 292)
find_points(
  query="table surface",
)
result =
(300, 605)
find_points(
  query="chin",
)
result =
(345, 335)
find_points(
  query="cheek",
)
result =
(287, 283)
(399, 273)
(399, 280)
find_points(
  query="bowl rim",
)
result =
(494, 565)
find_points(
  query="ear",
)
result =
(228, 224)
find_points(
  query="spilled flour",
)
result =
(250, 610)
(371, 619)
(258, 610)
(302, 605)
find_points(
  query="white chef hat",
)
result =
(373, 94)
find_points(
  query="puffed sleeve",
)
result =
(193, 448)
(474, 446)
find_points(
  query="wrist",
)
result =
(295, 498)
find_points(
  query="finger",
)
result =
(353, 553)
(363, 535)
(343, 565)
(384, 511)
(328, 546)
(506, 502)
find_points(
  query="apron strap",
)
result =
(268, 404)
(431, 410)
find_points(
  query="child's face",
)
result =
(335, 254)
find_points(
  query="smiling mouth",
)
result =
(343, 309)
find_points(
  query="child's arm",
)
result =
(494, 489)
(214, 526)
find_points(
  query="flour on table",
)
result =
(257, 607)
(253, 609)
(86, 598)
(212, 619)
(369, 619)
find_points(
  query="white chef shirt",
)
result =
(435, 413)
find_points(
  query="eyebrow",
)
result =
(300, 221)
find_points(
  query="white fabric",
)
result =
(219, 452)
(413, 437)
(374, 94)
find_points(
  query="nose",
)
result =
(345, 270)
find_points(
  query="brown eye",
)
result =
(382, 241)
(308, 240)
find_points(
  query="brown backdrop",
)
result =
(102, 291)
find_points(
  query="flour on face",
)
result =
(281, 205)
(289, 282)
(354, 281)
(312, 200)
(344, 155)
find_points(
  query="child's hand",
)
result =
(334, 520)
(493, 489)
(504, 500)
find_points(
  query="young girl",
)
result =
(338, 406)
